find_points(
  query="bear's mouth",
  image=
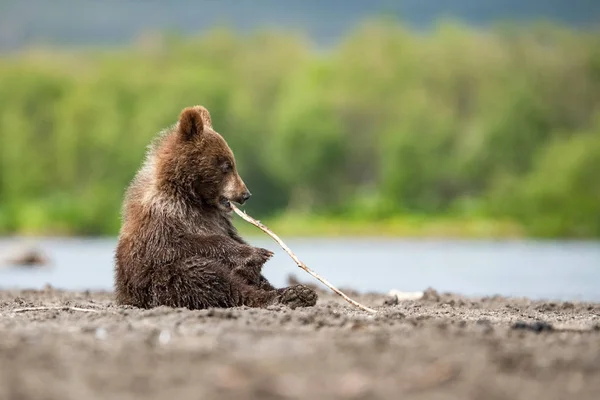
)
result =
(225, 204)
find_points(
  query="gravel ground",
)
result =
(443, 346)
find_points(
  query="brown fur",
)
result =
(177, 246)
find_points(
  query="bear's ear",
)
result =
(193, 121)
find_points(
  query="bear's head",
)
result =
(198, 164)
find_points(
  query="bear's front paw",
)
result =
(298, 296)
(261, 255)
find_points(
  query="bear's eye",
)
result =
(226, 167)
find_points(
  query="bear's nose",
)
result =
(245, 196)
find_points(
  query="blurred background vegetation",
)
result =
(454, 130)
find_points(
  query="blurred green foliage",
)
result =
(454, 123)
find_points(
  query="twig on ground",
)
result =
(263, 228)
(63, 308)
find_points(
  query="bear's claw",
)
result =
(298, 296)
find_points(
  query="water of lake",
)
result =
(540, 270)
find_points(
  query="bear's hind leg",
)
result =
(298, 296)
(195, 284)
(200, 284)
(293, 296)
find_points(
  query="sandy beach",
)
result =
(83, 346)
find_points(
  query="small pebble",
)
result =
(164, 337)
(101, 333)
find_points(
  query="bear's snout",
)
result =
(235, 190)
(245, 196)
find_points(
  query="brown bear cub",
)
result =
(177, 246)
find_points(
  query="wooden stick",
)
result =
(263, 228)
(63, 308)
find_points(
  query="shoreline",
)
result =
(404, 227)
